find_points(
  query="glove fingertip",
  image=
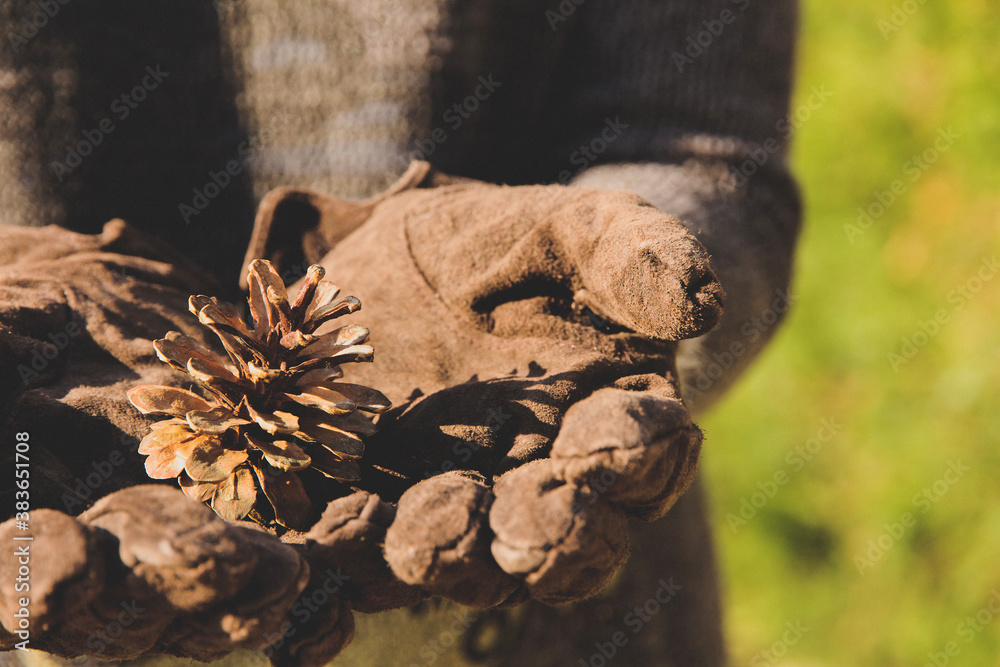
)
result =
(440, 541)
(565, 544)
(67, 568)
(651, 275)
(636, 450)
(345, 543)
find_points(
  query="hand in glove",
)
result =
(526, 338)
(145, 570)
(509, 326)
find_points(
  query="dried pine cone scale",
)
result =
(273, 406)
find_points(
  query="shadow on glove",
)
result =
(526, 336)
(147, 570)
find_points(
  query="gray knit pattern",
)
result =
(339, 95)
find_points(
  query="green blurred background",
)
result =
(824, 551)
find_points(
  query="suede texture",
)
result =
(338, 96)
(526, 336)
(504, 291)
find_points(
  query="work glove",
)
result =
(526, 337)
(145, 570)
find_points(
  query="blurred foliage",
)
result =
(826, 549)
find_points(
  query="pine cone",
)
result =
(273, 407)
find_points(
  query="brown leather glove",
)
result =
(145, 570)
(525, 335)
(526, 338)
